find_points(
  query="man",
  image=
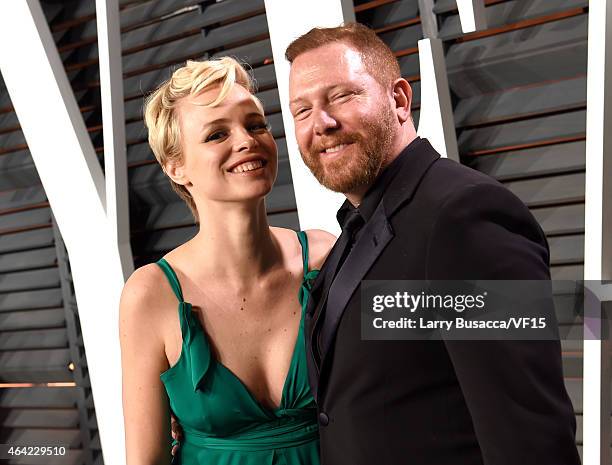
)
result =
(412, 215)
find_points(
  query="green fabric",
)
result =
(223, 424)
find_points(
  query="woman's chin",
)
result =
(237, 192)
(254, 192)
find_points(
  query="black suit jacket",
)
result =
(438, 402)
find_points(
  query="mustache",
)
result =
(321, 145)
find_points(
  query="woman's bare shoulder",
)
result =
(145, 293)
(144, 284)
(320, 243)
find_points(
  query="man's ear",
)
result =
(402, 95)
(176, 172)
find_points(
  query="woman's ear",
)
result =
(176, 172)
(402, 95)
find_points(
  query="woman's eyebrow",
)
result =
(213, 122)
(255, 113)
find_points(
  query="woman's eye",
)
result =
(259, 127)
(217, 135)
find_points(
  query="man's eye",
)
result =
(342, 96)
(300, 112)
(217, 135)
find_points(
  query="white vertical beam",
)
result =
(472, 15)
(74, 183)
(113, 123)
(436, 120)
(598, 227)
(286, 22)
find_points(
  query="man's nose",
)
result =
(324, 122)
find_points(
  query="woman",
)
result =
(230, 363)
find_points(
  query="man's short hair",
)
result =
(377, 57)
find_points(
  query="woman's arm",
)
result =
(145, 405)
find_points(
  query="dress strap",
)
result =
(172, 278)
(303, 238)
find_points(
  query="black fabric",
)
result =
(437, 402)
(352, 224)
(352, 221)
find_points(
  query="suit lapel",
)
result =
(376, 235)
(410, 173)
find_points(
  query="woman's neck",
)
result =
(234, 242)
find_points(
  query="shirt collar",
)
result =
(374, 195)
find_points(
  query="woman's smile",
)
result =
(249, 166)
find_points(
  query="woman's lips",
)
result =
(248, 166)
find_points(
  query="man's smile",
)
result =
(335, 150)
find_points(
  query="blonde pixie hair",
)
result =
(160, 114)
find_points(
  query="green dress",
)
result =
(223, 424)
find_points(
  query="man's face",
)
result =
(344, 118)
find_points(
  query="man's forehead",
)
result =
(327, 66)
(338, 54)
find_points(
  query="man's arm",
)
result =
(514, 389)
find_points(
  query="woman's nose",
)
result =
(246, 141)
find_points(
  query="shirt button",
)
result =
(323, 419)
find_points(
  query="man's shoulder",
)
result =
(455, 175)
(449, 188)
(447, 178)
